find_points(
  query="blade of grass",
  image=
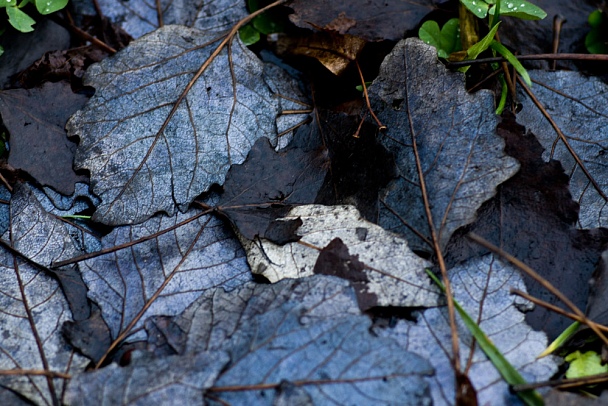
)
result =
(561, 339)
(508, 372)
(501, 49)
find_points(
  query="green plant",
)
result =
(446, 41)
(19, 20)
(266, 23)
(596, 40)
(584, 364)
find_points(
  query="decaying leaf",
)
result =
(533, 217)
(123, 281)
(373, 20)
(148, 381)
(36, 119)
(359, 165)
(481, 285)
(142, 16)
(394, 275)
(461, 155)
(33, 306)
(137, 170)
(308, 330)
(333, 51)
(267, 185)
(578, 106)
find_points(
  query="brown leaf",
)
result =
(333, 50)
(35, 120)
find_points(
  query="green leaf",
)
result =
(481, 46)
(249, 35)
(561, 339)
(477, 7)
(581, 365)
(508, 372)
(446, 40)
(267, 23)
(521, 9)
(20, 20)
(1, 50)
(8, 3)
(50, 6)
(429, 32)
(501, 49)
(596, 41)
(450, 36)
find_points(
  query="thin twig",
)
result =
(556, 309)
(558, 21)
(35, 372)
(434, 237)
(381, 126)
(95, 254)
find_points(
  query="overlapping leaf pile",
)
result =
(172, 288)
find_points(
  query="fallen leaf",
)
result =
(36, 119)
(395, 276)
(301, 330)
(461, 155)
(481, 286)
(373, 20)
(533, 217)
(122, 282)
(33, 306)
(578, 106)
(148, 381)
(359, 166)
(20, 50)
(136, 170)
(267, 185)
(141, 17)
(333, 51)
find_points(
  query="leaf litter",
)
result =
(308, 331)
(264, 334)
(481, 285)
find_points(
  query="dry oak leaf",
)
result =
(394, 275)
(137, 170)
(461, 155)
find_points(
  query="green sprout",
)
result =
(448, 39)
(20, 21)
